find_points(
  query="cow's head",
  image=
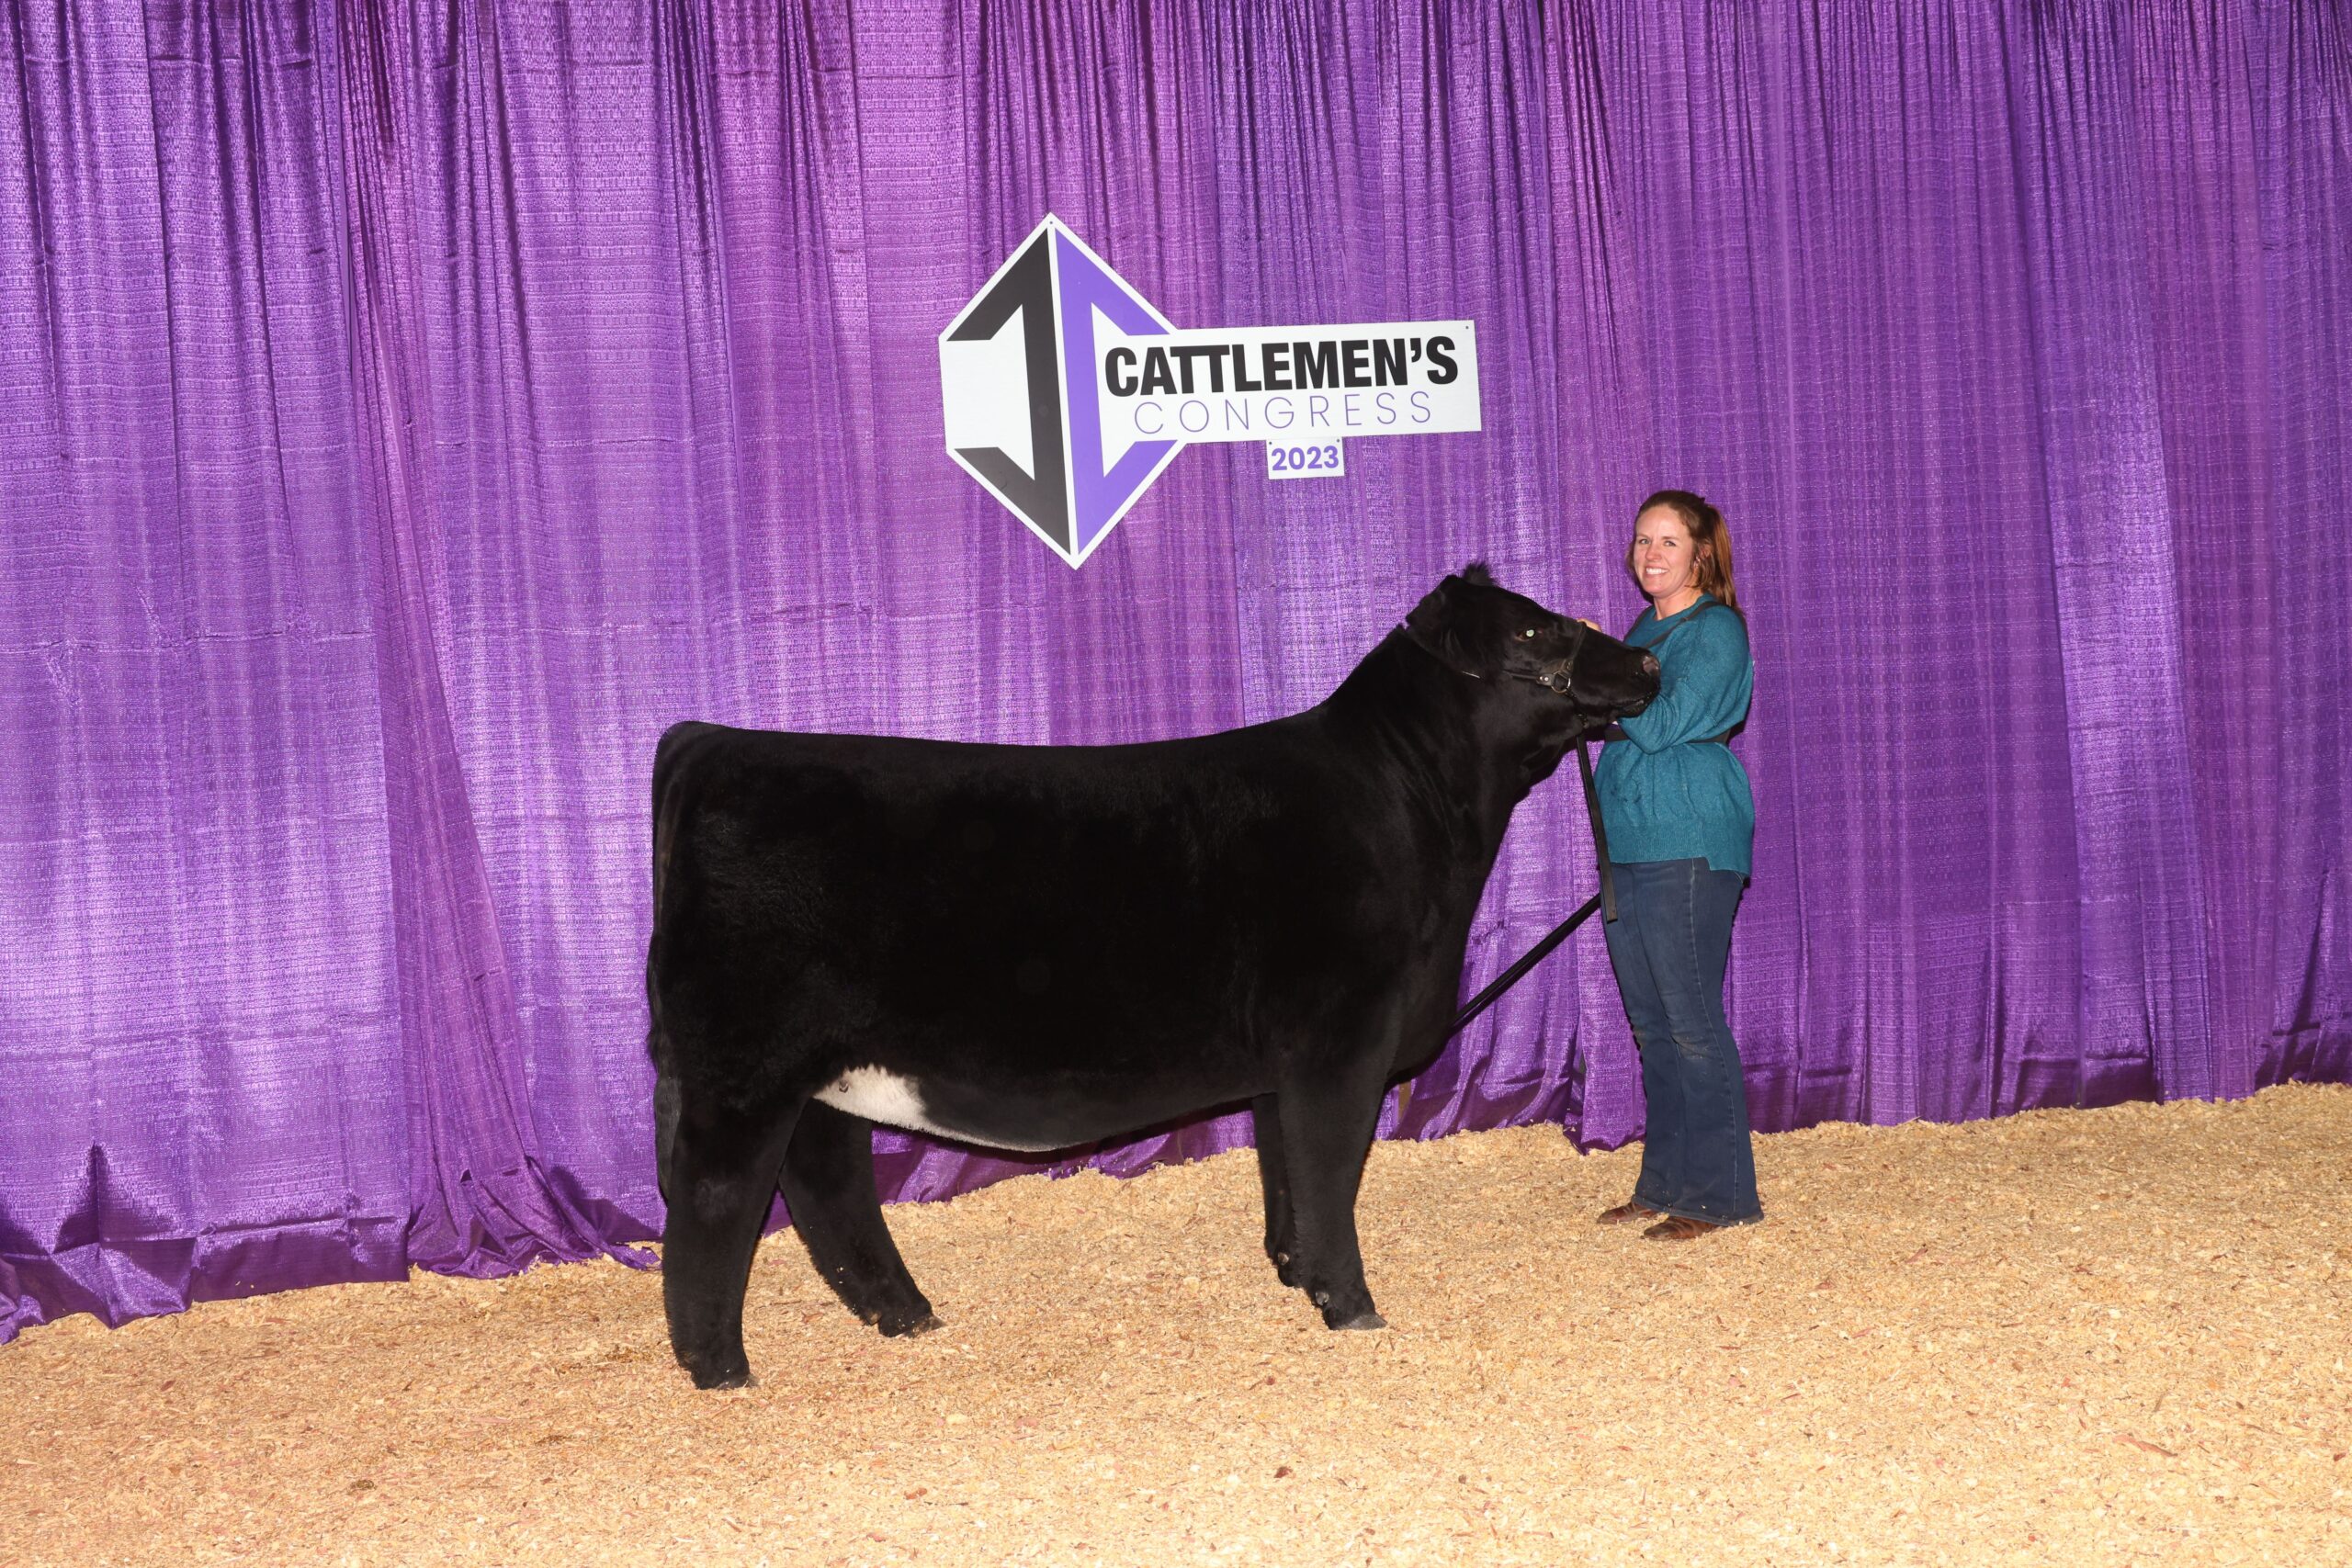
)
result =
(1584, 677)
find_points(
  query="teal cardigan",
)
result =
(1667, 792)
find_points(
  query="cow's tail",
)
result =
(665, 1129)
(669, 797)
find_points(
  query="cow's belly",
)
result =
(1023, 1123)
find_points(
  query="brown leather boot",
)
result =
(1678, 1227)
(1625, 1214)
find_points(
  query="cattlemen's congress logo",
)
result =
(1067, 393)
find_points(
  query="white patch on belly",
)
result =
(880, 1095)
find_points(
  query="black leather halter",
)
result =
(1559, 675)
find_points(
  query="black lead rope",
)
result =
(1599, 836)
(1604, 900)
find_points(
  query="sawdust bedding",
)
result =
(2064, 1337)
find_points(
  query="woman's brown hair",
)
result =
(1710, 543)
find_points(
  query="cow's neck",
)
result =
(1468, 750)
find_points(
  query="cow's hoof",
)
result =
(737, 1376)
(906, 1327)
(1361, 1320)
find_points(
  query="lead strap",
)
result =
(1600, 834)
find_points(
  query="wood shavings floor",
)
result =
(2070, 1337)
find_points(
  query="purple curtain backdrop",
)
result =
(408, 410)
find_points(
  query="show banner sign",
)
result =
(1066, 393)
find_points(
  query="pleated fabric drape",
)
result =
(407, 410)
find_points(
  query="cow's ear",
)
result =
(1434, 622)
(1431, 613)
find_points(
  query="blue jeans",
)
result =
(1669, 945)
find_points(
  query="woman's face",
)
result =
(1663, 560)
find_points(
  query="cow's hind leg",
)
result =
(1327, 1126)
(719, 1175)
(828, 1186)
(1281, 1233)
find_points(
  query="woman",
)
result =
(1681, 820)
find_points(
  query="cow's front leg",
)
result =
(720, 1178)
(1327, 1126)
(1282, 1232)
(828, 1186)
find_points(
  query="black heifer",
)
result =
(1031, 947)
